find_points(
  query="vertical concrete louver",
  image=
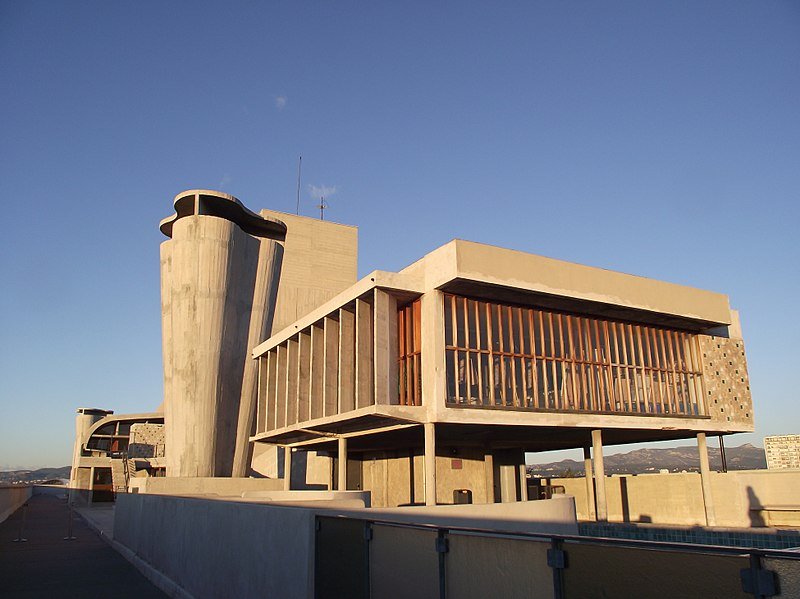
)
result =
(219, 280)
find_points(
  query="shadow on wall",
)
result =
(755, 508)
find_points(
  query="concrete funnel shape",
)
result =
(219, 281)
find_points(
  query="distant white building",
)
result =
(783, 452)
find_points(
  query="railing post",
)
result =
(759, 582)
(21, 531)
(69, 536)
(367, 541)
(442, 547)
(557, 560)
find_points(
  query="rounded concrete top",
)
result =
(222, 205)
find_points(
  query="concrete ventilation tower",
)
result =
(219, 282)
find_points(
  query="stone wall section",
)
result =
(727, 385)
(146, 441)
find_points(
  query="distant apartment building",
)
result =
(783, 452)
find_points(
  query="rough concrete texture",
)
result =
(196, 485)
(218, 287)
(741, 499)
(220, 548)
(320, 260)
(181, 537)
(727, 382)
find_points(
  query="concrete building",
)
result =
(783, 452)
(430, 384)
(426, 385)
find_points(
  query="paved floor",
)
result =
(49, 566)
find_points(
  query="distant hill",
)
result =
(33, 476)
(674, 459)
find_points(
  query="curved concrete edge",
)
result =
(163, 582)
(223, 205)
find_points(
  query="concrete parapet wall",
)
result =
(11, 498)
(741, 499)
(223, 486)
(550, 516)
(213, 548)
(220, 548)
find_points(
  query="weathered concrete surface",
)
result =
(181, 538)
(11, 498)
(218, 290)
(48, 566)
(742, 498)
(220, 548)
(555, 516)
(320, 261)
(191, 485)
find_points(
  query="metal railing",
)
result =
(357, 557)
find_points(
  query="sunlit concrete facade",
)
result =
(386, 374)
(427, 385)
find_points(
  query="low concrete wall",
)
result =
(741, 499)
(11, 498)
(225, 487)
(355, 499)
(220, 548)
(207, 547)
(551, 516)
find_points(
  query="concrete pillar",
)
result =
(705, 480)
(219, 279)
(342, 464)
(599, 476)
(587, 466)
(488, 466)
(523, 481)
(430, 463)
(287, 468)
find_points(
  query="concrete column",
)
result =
(587, 466)
(287, 468)
(342, 464)
(523, 481)
(430, 463)
(488, 466)
(91, 486)
(599, 476)
(705, 480)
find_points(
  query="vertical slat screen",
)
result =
(527, 358)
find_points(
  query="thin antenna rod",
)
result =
(322, 206)
(299, 166)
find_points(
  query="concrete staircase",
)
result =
(118, 476)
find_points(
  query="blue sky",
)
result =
(660, 139)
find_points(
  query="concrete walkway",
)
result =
(48, 566)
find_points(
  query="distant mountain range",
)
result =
(33, 476)
(674, 459)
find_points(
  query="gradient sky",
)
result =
(656, 138)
